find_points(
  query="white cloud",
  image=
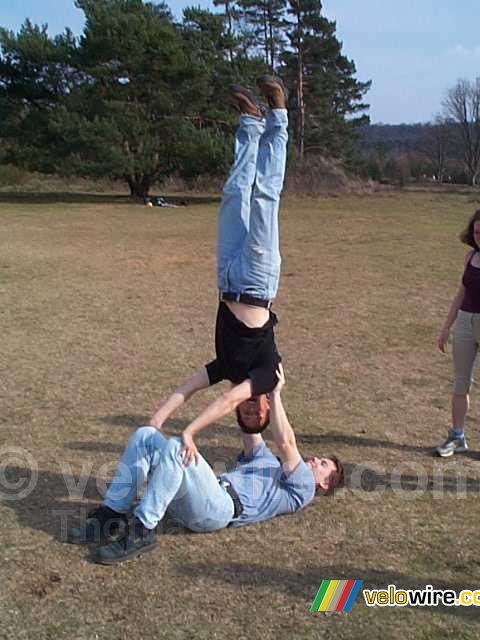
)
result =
(460, 51)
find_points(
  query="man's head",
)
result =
(328, 473)
(253, 415)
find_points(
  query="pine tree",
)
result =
(230, 17)
(326, 91)
(130, 100)
(139, 96)
(35, 74)
(145, 87)
(263, 21)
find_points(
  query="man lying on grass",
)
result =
(248, 271)
(261, 486)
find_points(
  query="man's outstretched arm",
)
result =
(222, 406)
(282, 432)
(181, 394)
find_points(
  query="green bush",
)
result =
(11, 176)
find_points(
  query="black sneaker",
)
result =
(134, 542)
(102, 524)
(274, 91)
(244, 101)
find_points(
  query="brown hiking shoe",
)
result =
(274, 90)
(244, 101)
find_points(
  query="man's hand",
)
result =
(220, 407)
(281, 380)
(190, 451)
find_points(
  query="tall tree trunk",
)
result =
(271, 39)
(297, 44)
(265, 34)
(301, 108)
(139, 186)
(300, 87)
(228, 13)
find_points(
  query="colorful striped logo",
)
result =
(336, 595)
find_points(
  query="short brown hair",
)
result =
(261, 427)
(338, 479)
(467, 236)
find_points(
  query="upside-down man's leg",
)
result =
(259, 265)
(234, 214)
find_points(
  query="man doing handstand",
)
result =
(248, 270)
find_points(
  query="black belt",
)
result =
(237, 505)
(245, 299)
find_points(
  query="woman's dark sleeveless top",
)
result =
(471, 282)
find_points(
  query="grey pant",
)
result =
(466, 340)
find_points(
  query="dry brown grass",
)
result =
(104, 307)
(318, 176)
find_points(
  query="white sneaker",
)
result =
(453, 444)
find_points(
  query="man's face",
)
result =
(323, 470)
(254, 411)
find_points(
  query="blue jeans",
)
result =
(192, 495)
(248, 255)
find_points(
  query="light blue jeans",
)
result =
(248, 254)
(192, 495)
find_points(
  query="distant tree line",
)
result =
(445, 150)
(140, 96)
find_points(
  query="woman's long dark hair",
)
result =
(467, 236)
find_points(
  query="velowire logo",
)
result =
(336, 595)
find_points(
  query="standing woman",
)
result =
(465, 312)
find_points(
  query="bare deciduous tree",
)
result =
(435, 145)
(462, 106)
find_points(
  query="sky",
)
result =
(412, 50)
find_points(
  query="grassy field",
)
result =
(105, 306)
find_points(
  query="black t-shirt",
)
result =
(243, 352)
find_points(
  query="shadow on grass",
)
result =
(126, 420)
(304, 440)
(306, 583)
(55, 506)
(457, 189)
(366, 480)
(173, 426)
(374, 443)
(96, 447)
(26, 197)
(216, 451)
(53, 502)
(219, 457)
